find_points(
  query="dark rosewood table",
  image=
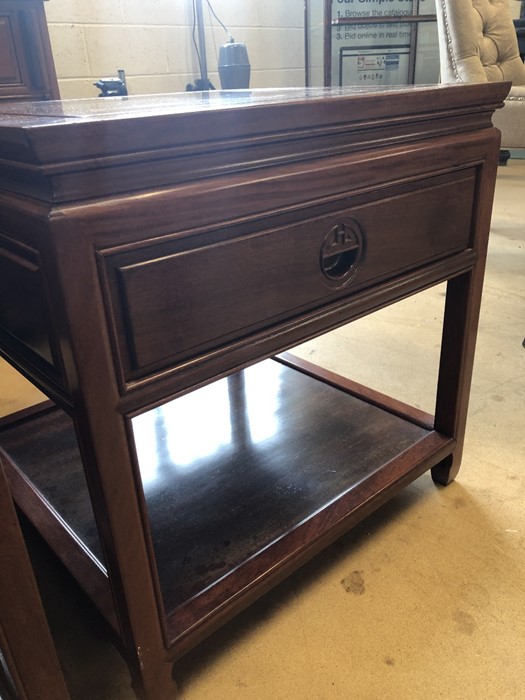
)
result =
(158, 257)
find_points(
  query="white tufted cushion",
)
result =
(478, 42)
(498, 43)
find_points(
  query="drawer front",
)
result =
(174, 301)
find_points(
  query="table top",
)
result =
(99, 133)
(110, 108)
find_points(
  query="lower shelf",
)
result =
(243, 480)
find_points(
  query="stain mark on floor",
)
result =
(354, 583)
(465, 623)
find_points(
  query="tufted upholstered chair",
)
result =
(477, 43)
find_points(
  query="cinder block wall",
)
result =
(152, 41)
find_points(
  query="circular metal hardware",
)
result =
(342, 252)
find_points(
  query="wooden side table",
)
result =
(155, 254)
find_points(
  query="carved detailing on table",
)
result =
(342, 252)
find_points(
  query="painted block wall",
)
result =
(152, 41)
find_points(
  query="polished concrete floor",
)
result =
(426, 598)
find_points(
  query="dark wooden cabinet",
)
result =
(27, 71)
(158, 257)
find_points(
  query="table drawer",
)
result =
(173, 301)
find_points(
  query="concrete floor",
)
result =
(426, 598)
